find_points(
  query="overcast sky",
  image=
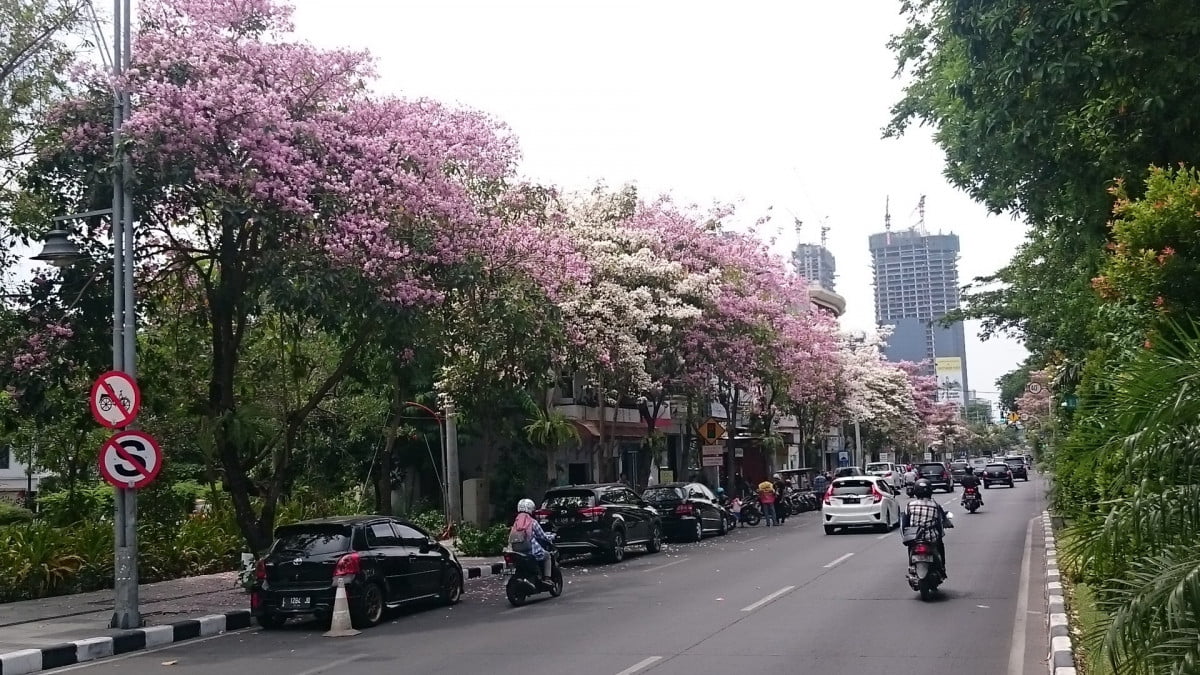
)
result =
(765, 103)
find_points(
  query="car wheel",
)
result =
(723, 529)
(698, 534)
(271, 621)
(828, 529)
(452, 588)
(617, 553)
(1012, 484)
(654, 545)
(368, 611)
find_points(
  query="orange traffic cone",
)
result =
(340, 625)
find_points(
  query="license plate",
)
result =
(852, 500)
(296, 601)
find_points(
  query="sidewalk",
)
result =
(172, 611)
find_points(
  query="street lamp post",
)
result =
(60, 252)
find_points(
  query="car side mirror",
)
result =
(427, 546)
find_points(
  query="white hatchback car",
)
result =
(886, 471)
(860, 501)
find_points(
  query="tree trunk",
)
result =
(383, 482)
(731, 414)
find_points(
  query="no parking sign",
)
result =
(130, 460)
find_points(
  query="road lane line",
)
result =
(663, 567)
(769, 598)
(841, 559)
(1016, 650)
(641, 665)
(331, 665)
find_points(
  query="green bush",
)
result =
(433, 522)
(11, 514)
(84, 503)
(473, 541)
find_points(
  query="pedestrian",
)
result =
(766, 497)
(735, 507)
(781, 492)
(820, 483)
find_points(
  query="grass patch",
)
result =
(1086, 618)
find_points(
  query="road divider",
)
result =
(777, 594)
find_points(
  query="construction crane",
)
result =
(887, 218)
(920, 211)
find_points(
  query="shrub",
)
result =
(11, 514)
(473, 541)
(433, 522)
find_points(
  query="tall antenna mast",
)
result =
(921, 215)
(887, 218)
(824, 230)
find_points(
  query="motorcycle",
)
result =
(925, 571)
(751, 513)
(971, 501)
(525, 578)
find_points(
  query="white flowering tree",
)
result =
(878, 393)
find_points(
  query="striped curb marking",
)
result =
(1062, 656)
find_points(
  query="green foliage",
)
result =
(491, 541)
(10, 514)
(91, 503)
(433, 522)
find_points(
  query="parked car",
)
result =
(860, 501)
(997, 472)
(937, 474)
(959, 469)
(600, 519)
(385, 563)
(887, 471)
(1019, 468)
(687, 510)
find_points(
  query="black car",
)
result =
(688, 510)
(847, 471)
(997, 473)
(1019, 468)
(385, 562)
(937, 474)
(959, 469)
(600, 519)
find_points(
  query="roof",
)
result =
(586, 486)
(340, 520)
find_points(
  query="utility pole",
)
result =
(453, 484)
(858, 445)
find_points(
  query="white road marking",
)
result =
(665, 566)
(841, 559)
(331, 665)
(1016, 652)
(884, 536)
(640, 665)
(769, 598)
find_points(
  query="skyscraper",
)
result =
(815, 263)
(916, 284)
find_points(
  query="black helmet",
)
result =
(922, 490)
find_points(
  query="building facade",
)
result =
(815, 263)
(916, 285)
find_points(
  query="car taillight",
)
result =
(921, 549)
(592, 512)
(543, 514)
(510, 559)
(945, 475)
(260, 570)
(829, 495)
(876, 493)
(887, 475)
(685, 509)
(347, 566)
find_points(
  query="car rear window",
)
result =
(662, 494)
(852, 487)
(997, 467)
(1014, 460)
(932, 468)
(312, 539)
(574, 499)
(879, 467)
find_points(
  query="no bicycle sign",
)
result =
(115, 400)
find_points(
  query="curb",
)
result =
(90, 649)
(1062, 655)
(26, 661)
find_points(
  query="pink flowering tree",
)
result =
(261, 160)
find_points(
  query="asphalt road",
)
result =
(757, 600)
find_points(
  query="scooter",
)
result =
(524, 574)
(925, 570)
(971, 501)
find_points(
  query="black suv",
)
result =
(600, 519)
(937, 474)
(1018, 466)
(385, 562)
(688, 510)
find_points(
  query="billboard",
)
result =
(949, 378)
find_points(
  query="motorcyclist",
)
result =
(527, 536)
(929, 518)
(782, 511)
(969, 480)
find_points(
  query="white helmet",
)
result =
(525, 506)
